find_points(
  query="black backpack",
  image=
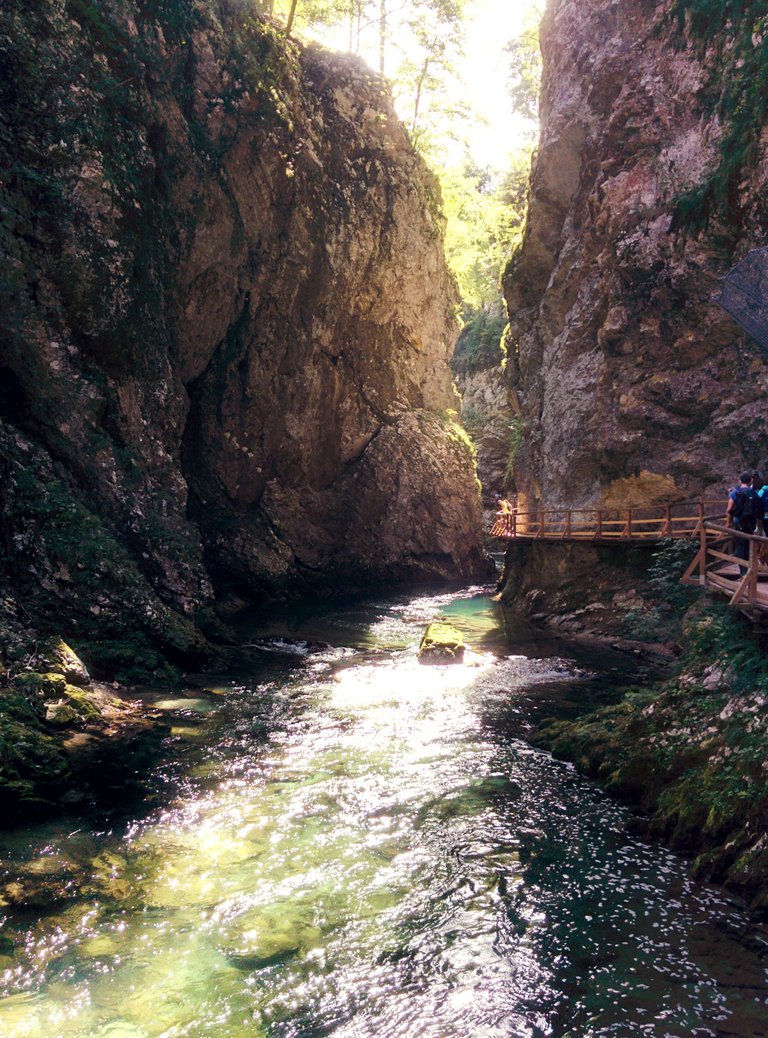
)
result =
(747, 505)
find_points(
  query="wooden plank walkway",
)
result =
(597, 525)
(743, 580)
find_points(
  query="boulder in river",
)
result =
(441, 644)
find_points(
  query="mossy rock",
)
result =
(45, 686)
(441, 644)
(66, 661)
(33, 767)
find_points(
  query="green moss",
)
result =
(441, 643)
(690, 751)
(33, 768)
(733, 31)
(132, 658)
(81, 702)
(45, 686)
(94, 588)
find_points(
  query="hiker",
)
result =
(745, 508)
(762, 489)
(504, 505)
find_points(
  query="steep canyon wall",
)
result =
(632, 385)
(226, 326)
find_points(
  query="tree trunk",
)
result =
(291, 16)
(382, 33)
(417, 98)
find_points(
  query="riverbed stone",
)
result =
(60, 713)
(441, 644)
(269, 934)
(97, 947)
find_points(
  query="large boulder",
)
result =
(442, 643)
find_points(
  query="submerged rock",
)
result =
(269, 934)
(442, 644)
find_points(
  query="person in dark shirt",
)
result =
(745, 508)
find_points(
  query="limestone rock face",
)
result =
(486, 413)
(227, 315)
(625, 369)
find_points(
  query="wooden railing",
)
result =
(717, 567)
(683, 519)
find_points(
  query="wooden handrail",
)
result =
(718, 569)
(645, 524)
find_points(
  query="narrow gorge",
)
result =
(249, 451)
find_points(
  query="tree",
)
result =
(525, 67)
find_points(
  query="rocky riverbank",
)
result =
(690, 751)
(65, 739)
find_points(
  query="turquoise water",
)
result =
(347, 843)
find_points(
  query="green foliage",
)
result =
(661, 620)
(723, 636)
(668, 564)
(645, 625)
(479, 345)
(691, 751)
(485, 213)
(525, 67)
(735, 32)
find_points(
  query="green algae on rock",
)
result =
(441, 644)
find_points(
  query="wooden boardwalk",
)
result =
(598, 525)
(742, 579)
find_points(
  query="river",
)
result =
(340, 841)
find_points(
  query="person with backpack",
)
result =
(745, 508)
(762, 489)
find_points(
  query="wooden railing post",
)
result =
(752, 583)
(702, 554)
(567, 531)
(666, 530)
(514, 522)
(700, 524)
(599, 530)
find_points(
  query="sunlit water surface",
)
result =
(352, 844)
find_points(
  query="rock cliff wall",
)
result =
(477, 365)
(633, 385)
(226, 324)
